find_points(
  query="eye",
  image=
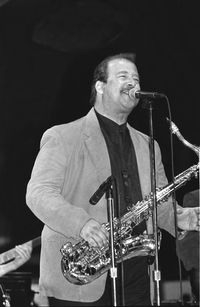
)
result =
(136, 81)
(123, 76)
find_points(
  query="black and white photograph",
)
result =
(99, 153)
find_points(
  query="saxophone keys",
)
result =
(66, 249)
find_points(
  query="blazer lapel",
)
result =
(96, 146)
(143, 162)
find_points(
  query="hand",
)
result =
(188, 218)
(22, 255)
(95, 234)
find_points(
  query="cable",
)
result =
(174, 201)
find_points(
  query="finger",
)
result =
(99, 234)
(94, 233)
(99, 238)
(103, 237)
(198, 225)
(22, 252)
(105, 231)
(92, 242)
(19, 251)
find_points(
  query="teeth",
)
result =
(125, 92)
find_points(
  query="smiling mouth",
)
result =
(125, 92)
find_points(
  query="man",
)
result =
(73, 161)
(187, 247)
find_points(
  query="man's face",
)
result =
(122, 76)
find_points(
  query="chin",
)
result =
(131, 105)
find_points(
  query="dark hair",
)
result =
(101, 71)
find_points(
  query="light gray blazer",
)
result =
(72, 163)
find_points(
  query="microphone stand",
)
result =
(107, 187)
(113, 269)
(156, 273)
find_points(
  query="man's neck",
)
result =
(117, 118)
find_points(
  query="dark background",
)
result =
(48, 50)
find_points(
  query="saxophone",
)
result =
(82, 263)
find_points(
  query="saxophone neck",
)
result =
(176, 131)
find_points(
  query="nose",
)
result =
(132, 82)
(130, 85)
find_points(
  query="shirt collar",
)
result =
(109, 125)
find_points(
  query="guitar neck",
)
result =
(11, 254)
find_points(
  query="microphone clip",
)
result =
(101, 190)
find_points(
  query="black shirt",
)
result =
(127, 189)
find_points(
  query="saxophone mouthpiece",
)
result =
(173, 127)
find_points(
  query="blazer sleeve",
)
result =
(44, 190)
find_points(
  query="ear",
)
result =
(99, 87)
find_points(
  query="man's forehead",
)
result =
(116, 65)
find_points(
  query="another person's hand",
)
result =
(22, 255)
(188, 218)
(95, 234)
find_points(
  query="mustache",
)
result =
(126, 89)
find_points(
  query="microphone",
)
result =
(140, 94)
(100, 191)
